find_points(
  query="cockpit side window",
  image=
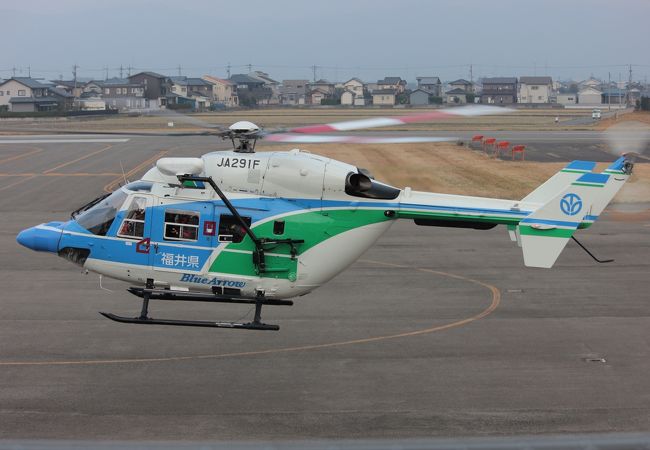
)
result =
(132, 226)
(100, 217)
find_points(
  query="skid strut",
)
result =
(149, 293)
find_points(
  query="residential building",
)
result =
(354, 92)
(122, 93)
(430, 84)
(189, 87)
(269, 83)
(316, 96)
(384, 97)
(462, 84)
(419, 97)
(614, 96)
(499, 91)
(456, 96)
(25, 94)
(347, 97)
(324, 86)
(567, 98)
(156, 86)
(535, 89)
(589, 96)
(224, 92)
(395, 83)
(590, 82)
(74, 87)
(294, 92)
(251, 90)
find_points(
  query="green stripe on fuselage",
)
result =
(314, 227)
(553, 232)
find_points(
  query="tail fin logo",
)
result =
(571, 204)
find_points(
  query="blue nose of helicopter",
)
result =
(42, 238)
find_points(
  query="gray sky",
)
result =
(363, 38)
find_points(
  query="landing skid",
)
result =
(149, 293)
(191, 323)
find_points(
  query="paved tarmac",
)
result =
(434, 332)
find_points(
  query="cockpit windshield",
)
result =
(99, 217)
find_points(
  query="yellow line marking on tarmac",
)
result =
(22, 180)
(22, 155)
(81, 158)
(494, 304)
(110, 187)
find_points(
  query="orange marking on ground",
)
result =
(22, 155)
(22, 180)
(494, 304)
(81, 158)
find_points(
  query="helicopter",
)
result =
(264, 228)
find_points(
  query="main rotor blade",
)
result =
(171, 114)
(329, 139)
(376, 122)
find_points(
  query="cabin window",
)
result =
(230, 230)
(181, 225)
(133, 224)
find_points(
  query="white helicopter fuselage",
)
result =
(314, 216)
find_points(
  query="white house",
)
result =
(354, 88)
(21, 88)
(589, 96)
(535, 89)
(567, 99)
(347, 98)
(384, 97)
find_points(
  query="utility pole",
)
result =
(29, 71)
(609, 87)
(13, 71)
(179, 70)
(105, 73)
(471, 74)
(629, 86)
(128, 70)
(121, 71)
(228, 70)
(74, 76)
(250, 68)
(313, 68)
